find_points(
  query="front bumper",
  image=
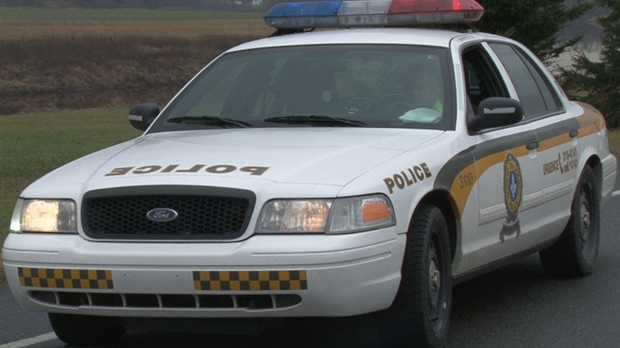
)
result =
(263, 276)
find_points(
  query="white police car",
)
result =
(322, 174)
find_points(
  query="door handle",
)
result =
(532, 144)
(574, 133)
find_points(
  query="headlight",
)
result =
(330, 216)
(44, 215)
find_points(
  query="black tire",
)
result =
(576, 252)
(420, 314)
(80, 330)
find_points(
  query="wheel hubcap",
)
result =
(434, 281)
(585, 220)
(436, 291)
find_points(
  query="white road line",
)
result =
(616, 193)
(30, 341)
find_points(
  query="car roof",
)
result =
(400, 36)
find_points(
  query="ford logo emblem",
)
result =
(162, 215)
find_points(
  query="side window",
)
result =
(481, 76)
(535, 92)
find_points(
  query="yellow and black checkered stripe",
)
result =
(65, 278)
(250, 280)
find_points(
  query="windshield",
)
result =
(388, 86)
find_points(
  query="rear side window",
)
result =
(534, 89)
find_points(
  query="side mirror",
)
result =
(142, 115)
(496, 112)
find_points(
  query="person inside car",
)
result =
(424, 88)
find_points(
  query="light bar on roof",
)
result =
(360, 13)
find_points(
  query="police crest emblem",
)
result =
(513, 194)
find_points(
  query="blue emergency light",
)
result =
(364, 13)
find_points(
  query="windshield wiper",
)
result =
(210, 120)
(316, 120)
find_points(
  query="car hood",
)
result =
(230, 157)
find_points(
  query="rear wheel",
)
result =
(576, 252)
(86, 330)
(420, 314)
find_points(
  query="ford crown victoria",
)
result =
(325, 173)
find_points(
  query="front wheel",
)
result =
(80, 330)
(420, 314)
(575, 253)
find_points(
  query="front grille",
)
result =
(203, 212)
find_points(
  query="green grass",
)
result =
(83, 15)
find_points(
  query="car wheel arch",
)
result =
(446, 203)
(595, 163)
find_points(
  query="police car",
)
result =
(322, 173)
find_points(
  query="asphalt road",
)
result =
(516, 306)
